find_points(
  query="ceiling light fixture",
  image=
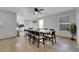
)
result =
(36, 12)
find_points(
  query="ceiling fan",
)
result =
(37, 10)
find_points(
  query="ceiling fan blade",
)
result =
(41, 9)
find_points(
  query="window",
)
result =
(64, 23)
(41, 23)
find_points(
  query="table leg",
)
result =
(43, 39)
(38, 43)
(55, 38)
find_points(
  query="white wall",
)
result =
(77, 22)
(8, 27)
(30, 24)
(51, 21)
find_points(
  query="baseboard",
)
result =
(9, 37)
(63, 36)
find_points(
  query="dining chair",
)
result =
(51, 36)
(39, 38)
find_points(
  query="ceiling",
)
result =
(27, 14)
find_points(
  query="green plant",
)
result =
(73, 30)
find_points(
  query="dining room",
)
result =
(51, 31)
(41, 29)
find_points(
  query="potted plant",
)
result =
(73, 30)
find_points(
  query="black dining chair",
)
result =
(51, 36)
(39, 37)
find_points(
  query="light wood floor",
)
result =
(21, 44)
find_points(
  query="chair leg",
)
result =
(33, 40)
(43, 41)
(55, 38)
(52, 42)
(38, 43)
(29, 37)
